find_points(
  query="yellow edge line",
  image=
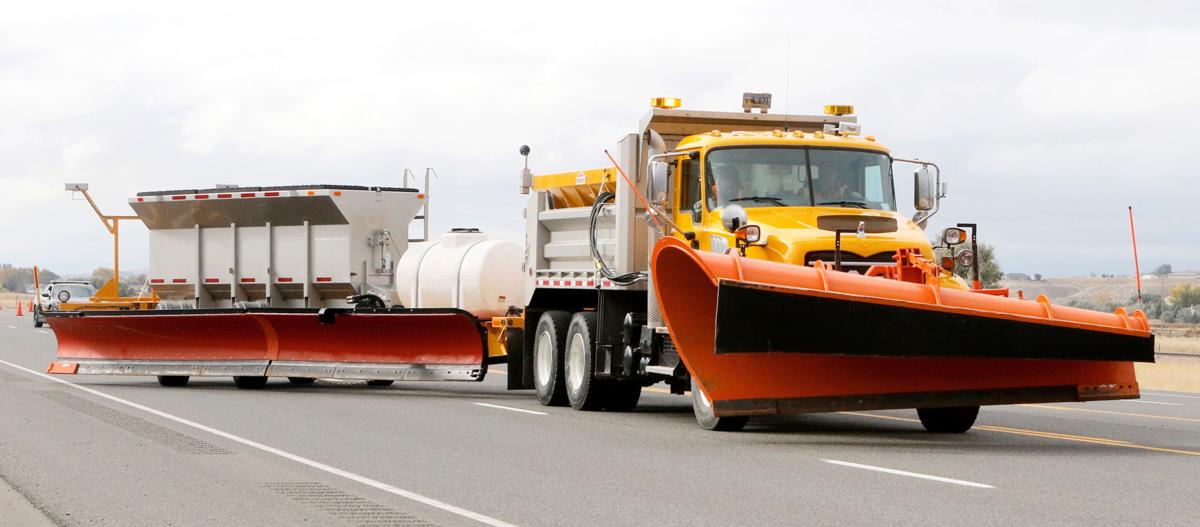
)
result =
(1047, 435)
(1130, 414)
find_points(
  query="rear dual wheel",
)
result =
(564, 366)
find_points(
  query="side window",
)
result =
(689, 184)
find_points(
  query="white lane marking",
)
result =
(1171, 395)
(487, 520)
(509, 408)
(42, 331)
(909, 474)
(12, 327)
(1150, 402)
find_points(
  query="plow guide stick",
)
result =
(764, 337)
(408, 344)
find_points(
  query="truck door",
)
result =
(688, 207)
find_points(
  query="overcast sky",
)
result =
(1048, 121)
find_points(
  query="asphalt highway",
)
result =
(94, 450)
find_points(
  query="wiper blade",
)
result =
(857, 204)
(762, 199)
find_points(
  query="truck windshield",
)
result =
(799, 177)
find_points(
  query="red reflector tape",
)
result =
(591, 283)
(324, 279)
(179, 280)
(178, 197)
(156, 280)
(284, 280)
(141, 200)
(247, 194)
(271, 194)
(211, 280)
(578, 283)
(223, 196)
(247, 280)
(201, 196)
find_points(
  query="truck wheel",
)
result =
(250, 382)
(623, 396)
(172, 380)
(380, 382)
(584, 390)
(954, 420)
(38, 321)
(548, 358)
(705, 417)
(301, 380)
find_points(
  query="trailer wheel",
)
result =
(380, 382)
(954, 420)
(548, 358)
(250, 382)
(584, 390)
(173, 380)
(623, 396)
(705, 417)
(301, 380)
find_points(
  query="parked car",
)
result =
(60, 292)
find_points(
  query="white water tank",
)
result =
(464, 270)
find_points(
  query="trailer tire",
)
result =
(623, 396)
(584, 390)
(173, 380)
(955, 420)
(705, 417)
(549, 343)
(380, 382)
(301, 380)
(250, 382)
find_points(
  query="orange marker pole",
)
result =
(1136, 268)
(37, 287)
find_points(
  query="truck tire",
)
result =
(705, 417)
(38, 321)
(247, 382)
(548, 348)
(584, 390)
(955, 420)
(301, 380)
(380, 382)
(173, 380)
(623, 396)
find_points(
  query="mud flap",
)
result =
(766, 338)
(399, 344)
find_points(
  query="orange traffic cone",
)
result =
(19, 314)
(30, 308)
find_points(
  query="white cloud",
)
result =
(1041, 115)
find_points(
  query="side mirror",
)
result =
(953, 236)
(697, 211)
(733, 217)
(924, 191)
(658, 180)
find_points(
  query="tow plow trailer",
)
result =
(769, 338)
(252, 344)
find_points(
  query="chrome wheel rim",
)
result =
(576, 357)
(544, 360)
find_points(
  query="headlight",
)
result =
(964, 258)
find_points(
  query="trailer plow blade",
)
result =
(397, 344)
(769, 338)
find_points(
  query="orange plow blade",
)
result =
(766, 338)
(396, 344)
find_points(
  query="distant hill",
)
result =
(1094, 291)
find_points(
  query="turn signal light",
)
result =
(948, 263)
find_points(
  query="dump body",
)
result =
(295, 246)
